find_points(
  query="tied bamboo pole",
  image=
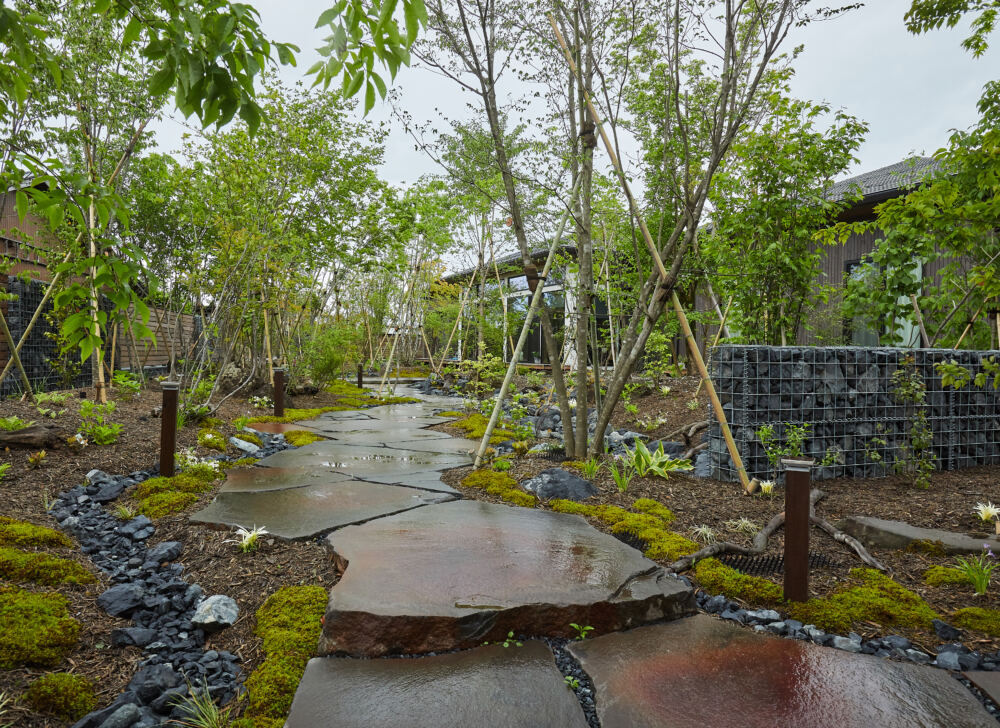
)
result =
(749, 486)
(536, 299)
(458, 319)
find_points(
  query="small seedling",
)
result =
(742, 525)
(248, 539)
(705, 534)
(621, 477)
(125, 512)
(590, 468)
(572, 683)
(4, 467)
(581, 631)
(260, 402)
(508, 641)
(501, 465)
(978, 569)
(12, 423)
(37, 459)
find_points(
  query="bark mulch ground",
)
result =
(217, 566)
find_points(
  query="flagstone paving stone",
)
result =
(465, 572)
(387, 436)
(987, 681)
(258, 479)
(361, 461)
(488, 687)
(425, 479)
(299, 513)
(705, 672)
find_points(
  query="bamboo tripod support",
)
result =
(749, 486)
(402, 312)
(536, 299)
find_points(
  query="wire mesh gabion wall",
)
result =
(39, 350)
(859, 422)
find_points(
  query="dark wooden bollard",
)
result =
(279, 392)
(168, 428)
(361, 376)
(797, 482)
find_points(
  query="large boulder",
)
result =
(559, 483)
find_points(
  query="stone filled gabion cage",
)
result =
(858, 425)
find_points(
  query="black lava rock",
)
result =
(121, 599)
(945, 631)
(558, 483)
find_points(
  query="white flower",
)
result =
(987, 511)
(247, 538)
(767, 487)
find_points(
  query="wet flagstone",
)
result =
(390, 436)
(461, 573)
(298, 513)
(488, 687)
(362, 461)
(425, 479)
(708, 673)
(987, 681)
(249, 480)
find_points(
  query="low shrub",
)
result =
(37, 568)
(870, 596)
(289, 624)
(978, 619)
(35, 628)
(22, 533)
(63, 694)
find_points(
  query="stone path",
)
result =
(426, 573)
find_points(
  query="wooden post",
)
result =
(279, 391)
(168, 428)
(797, 529)
(749, 486)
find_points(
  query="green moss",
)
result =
(296, 415)
(654, 508)
(649, 526)
(64, 695)
(941, 575)
(22, 533)
(35, 628)
(298, 438)
(924, 546)
(258, 722)
(718, 578)
(212, 439)
(341, 387)
(289, 623)
(451, 413)
(241, 463)
(213, 423)
(869, 597)
(251, 438)
(23, 566)
(163, 504)
(475, 427)
(186, 482)
(500, 485)
(978, 619)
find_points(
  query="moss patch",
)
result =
(718, 578)
(296, 415)
(163, 504)
(475, 427)
(250, 437)
(451, 413)
(241, 463)
(212, 439)
(181, 483)
(289, 623)
(298, 438)
(941, 575)
(500, 485)
(924, 546)
(978, 619)
(649, 525)
(22, 533)
(37, 568)
(869, 597)
(64, 695)
(35, 628)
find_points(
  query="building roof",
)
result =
(538, 255)
(881, 183)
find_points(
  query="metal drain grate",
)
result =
(757, 565)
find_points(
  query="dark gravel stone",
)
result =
(945, 631)
(152, 680)
(132, 637)
(166, 551)
(121, 599)
(558, 483)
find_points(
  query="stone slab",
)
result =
(457, 574)
(425, 479)
(299, 513)
(359, 425)
(987, 681)
(276, 428)
(488, 687)
(899, 535)
(450, 445)
(387, 435)
(710, 673)
(256, 480)
(360, 460)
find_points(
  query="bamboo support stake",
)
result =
(968, 326)
(536, 299)
(920, 322)
(718, 336)
(454, 328)
(14, 356)
(748, 485)
(402, 311)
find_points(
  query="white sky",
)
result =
(912, 90)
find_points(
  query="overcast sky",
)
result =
(912, 90)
